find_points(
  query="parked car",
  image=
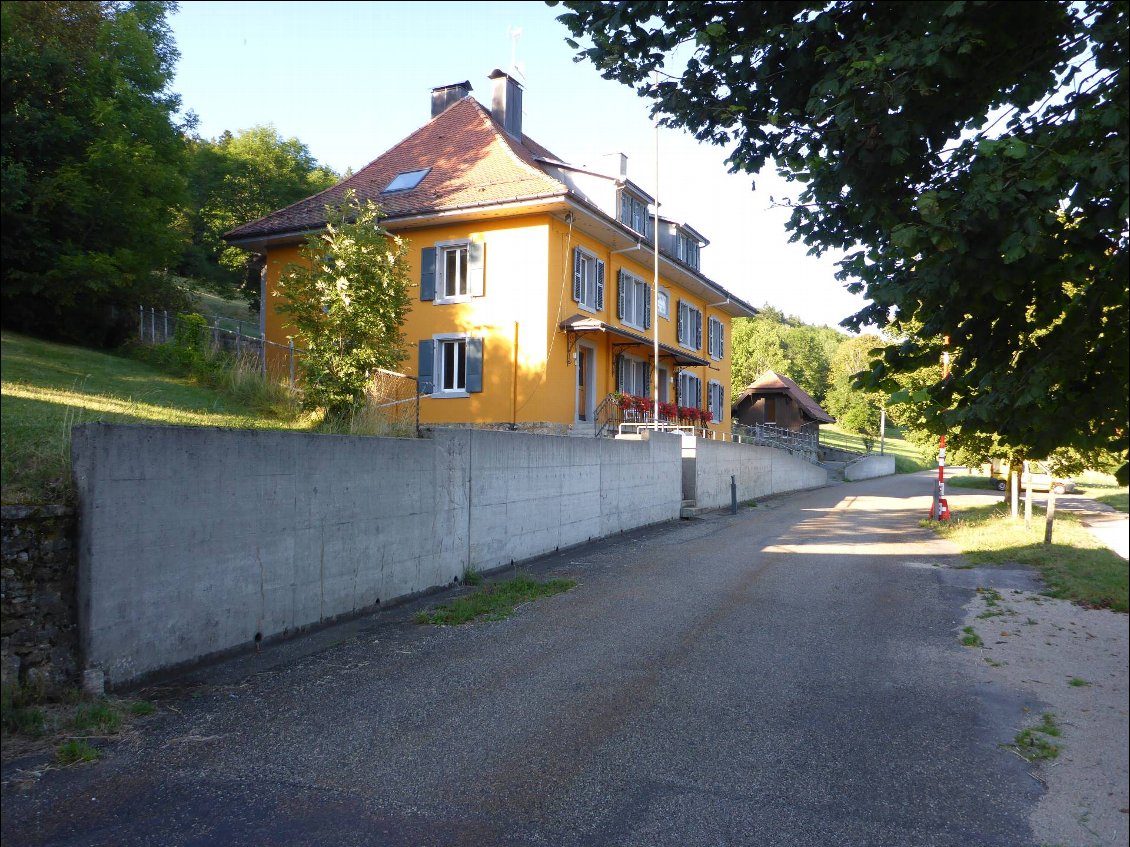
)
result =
(1042, 478)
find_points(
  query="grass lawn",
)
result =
(908, 458)
(1076, 566)
(233, 313)
(47, 388)
(1104, 488)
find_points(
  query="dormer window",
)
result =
(406, 181)
(633, 212)
(686, 249)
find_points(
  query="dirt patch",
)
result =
(1074, 661)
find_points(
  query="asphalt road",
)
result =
(787, 676)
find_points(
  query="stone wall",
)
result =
(39, 631)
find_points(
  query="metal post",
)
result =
(291, 354)
(882, 428)
(733, 494)
(165, 313)
(215, 333)
(1027, 495)
(141, 322)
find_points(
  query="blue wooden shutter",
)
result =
(710, 336)
(620, 292)
(474, 365)
(428, 273)
(578, 275)
(620, 372)
(646, 306)
(679, 320)
(721, 340)
(697, 330)
(427, 365)
(599, 285)
(476, 268)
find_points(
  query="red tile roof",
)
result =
(473, 163)
(773, 383)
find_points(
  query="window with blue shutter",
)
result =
(428, 273)
(588, 280)
(474, 365)
(621, 294)
(476, 268)
(578, 275)
(426, 369)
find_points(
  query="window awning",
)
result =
(581, 324)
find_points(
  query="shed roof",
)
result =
(771, 382)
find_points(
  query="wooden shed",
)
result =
(776, 399)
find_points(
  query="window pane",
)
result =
(448, 365)
(461, 355)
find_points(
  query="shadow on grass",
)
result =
(1075, 566)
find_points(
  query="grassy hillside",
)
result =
(908, 458)
(47, 388)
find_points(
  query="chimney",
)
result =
(448, 95)
(506, 103)
(615, 165)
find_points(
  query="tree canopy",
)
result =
(90, 158)
(970, 158)
(236, 178)
(786, 345)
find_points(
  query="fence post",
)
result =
(153, 324)
(165, 313)
(290, 347)
(238, 338)
(215, 333)
(141, 322)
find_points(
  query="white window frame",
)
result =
(440, 341)
(663, 304)
(636, 373)
(630, 205)
(716, 400)
(691, 329)
(588, 289)
(715, 335)
(686, 249)
(681, 391)
(637, 292)
(442, 249)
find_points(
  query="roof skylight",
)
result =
(406, 181)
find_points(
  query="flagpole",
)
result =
(655, 276)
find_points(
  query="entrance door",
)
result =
(586, 370)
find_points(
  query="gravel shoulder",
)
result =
(1040, 644)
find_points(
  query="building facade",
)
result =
(534, 304)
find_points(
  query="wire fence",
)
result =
(392, 401)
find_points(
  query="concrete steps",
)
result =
(835, 470)
(690, 509)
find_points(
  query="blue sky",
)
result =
(352, 79)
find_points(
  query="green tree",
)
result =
(786, 345)
(347, 300)
(90, 160)
(969, 157)
(237, 178)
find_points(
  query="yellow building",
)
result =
(535, 276)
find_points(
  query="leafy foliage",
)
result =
(970, 157)
(234, 179)
(347, 300)
(786, 345)
(91, 163)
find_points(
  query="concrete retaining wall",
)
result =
(193, 541)
(759, 471)
(869, 467)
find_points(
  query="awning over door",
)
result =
(583, 325)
